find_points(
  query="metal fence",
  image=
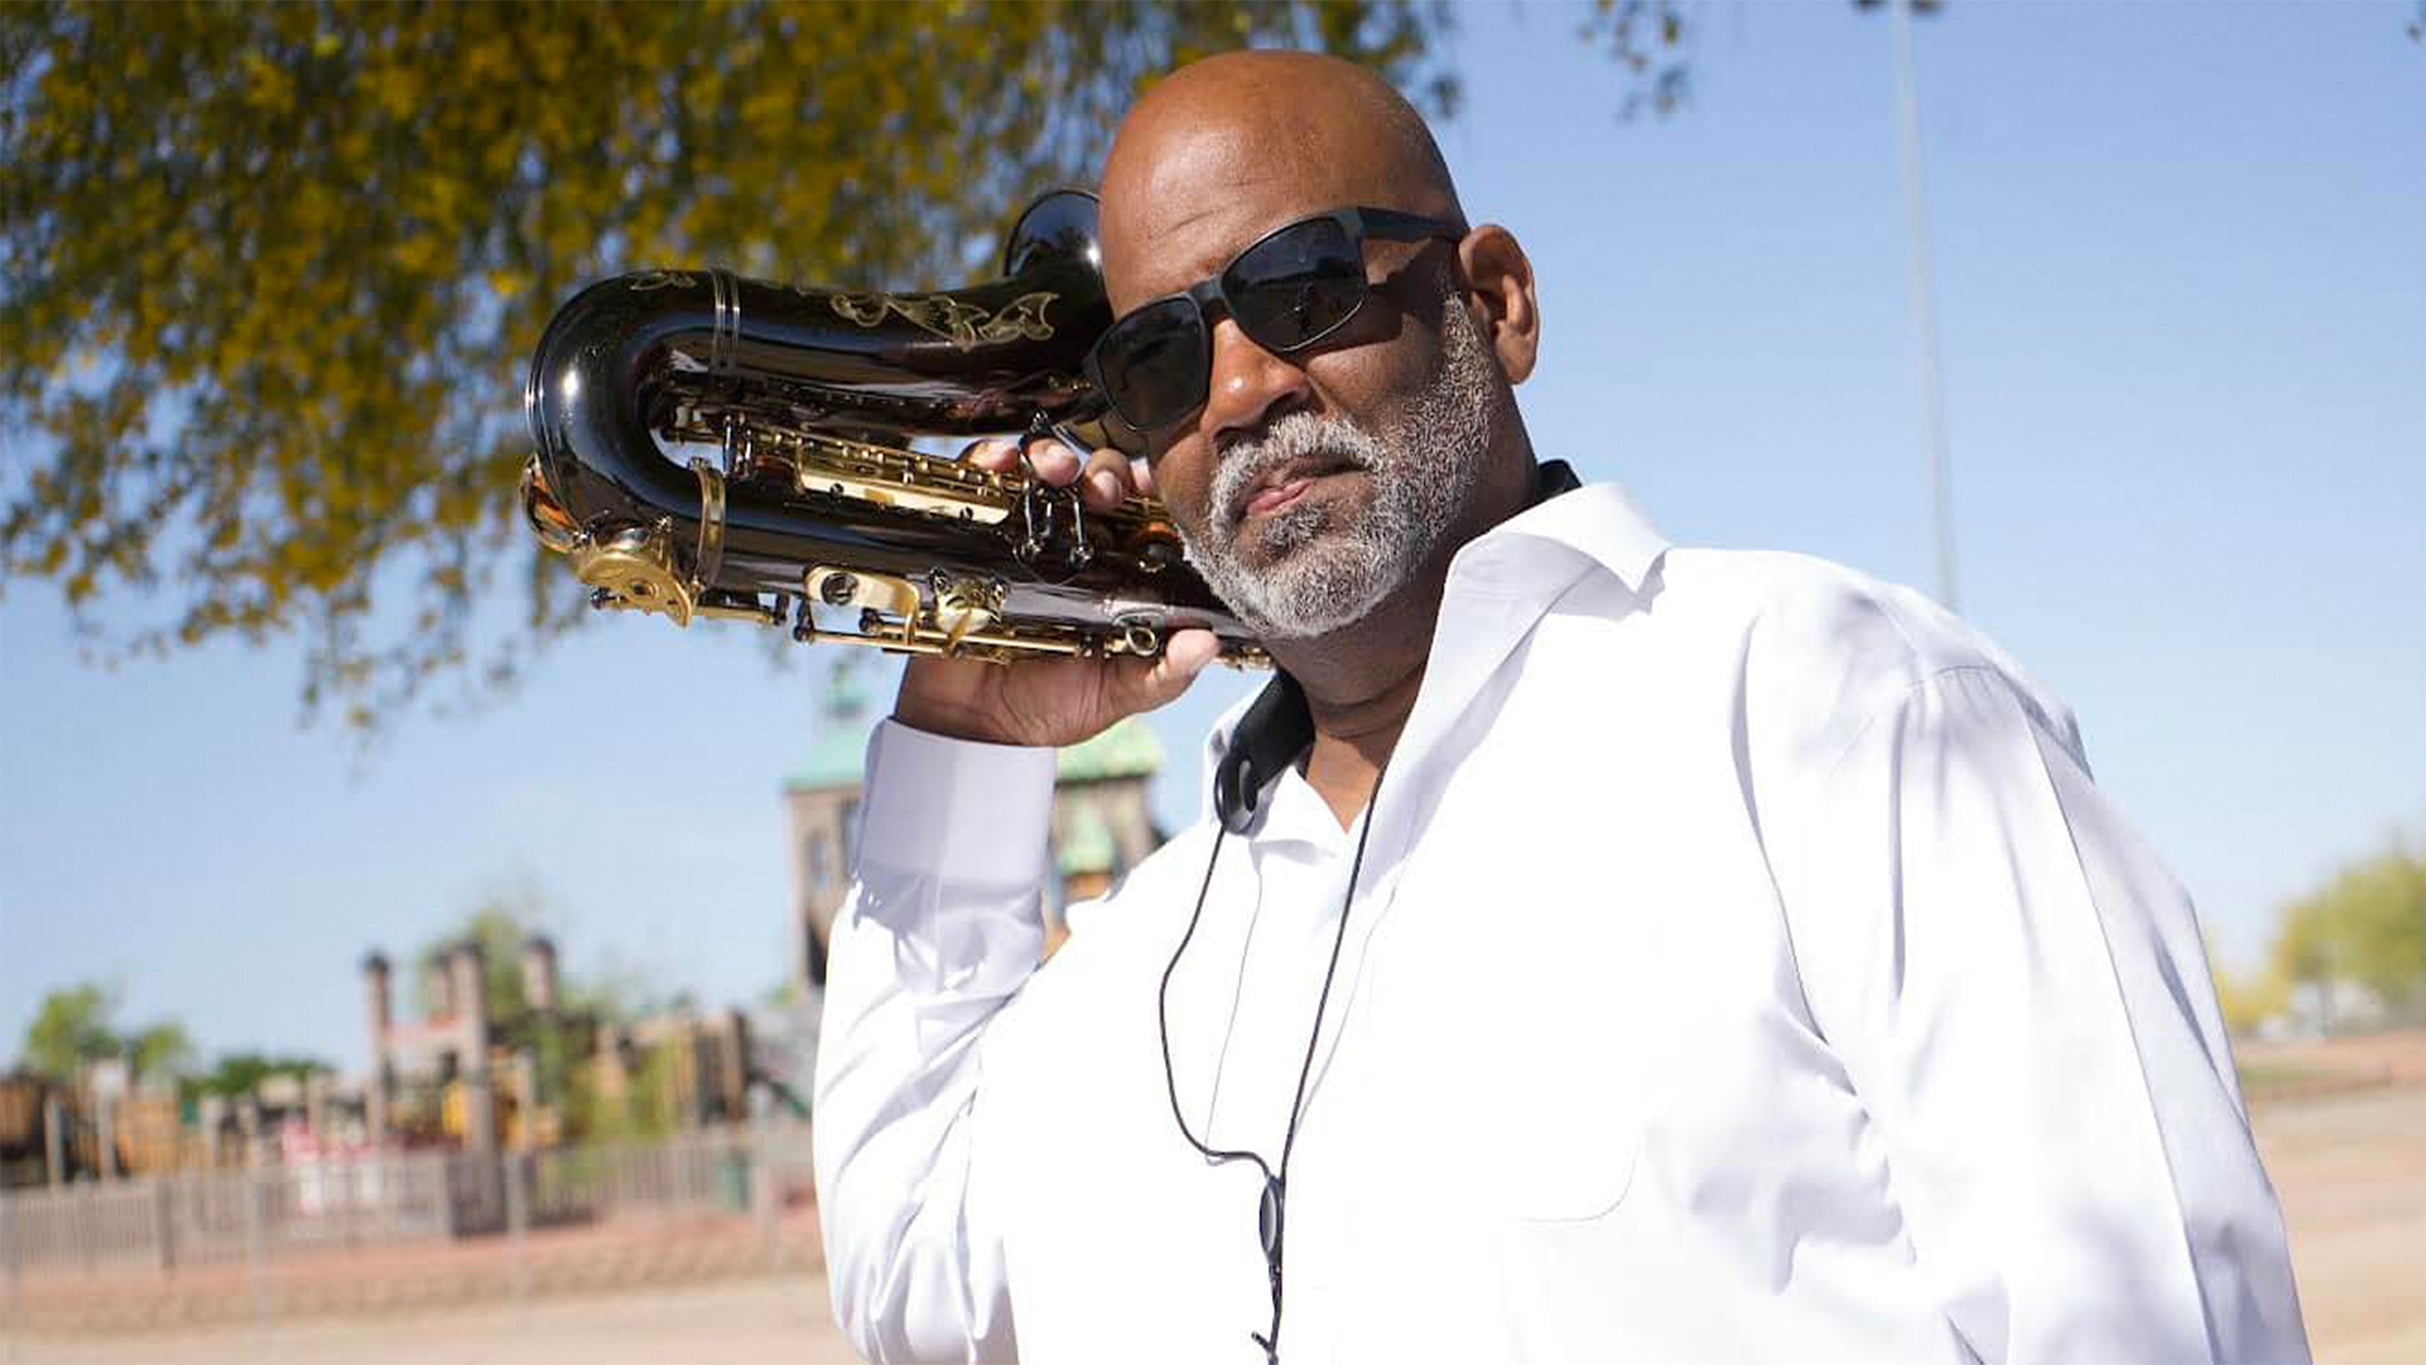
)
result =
(269, 1213)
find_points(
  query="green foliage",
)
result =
(2366, 926)
(501, 925)
(77, 1024)
(237, 1073)
(162, 1050)
(1650, 40)
(2248, 1000)
(616, 993)
(71, 1027)
(645, 1109)
(269, 273)
(500, 928)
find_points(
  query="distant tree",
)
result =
(500, 928)
(2303, 952)
(76, 1025)
(1650, 41)
(237, 1074)
(503, 922)
(2365, 926)
(268, 272)
(2379, 906)
(617, 993)
(161, 1051)
(645, 1109)
(72, 1026)
(2248, 1000)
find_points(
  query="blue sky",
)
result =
(2181, 261)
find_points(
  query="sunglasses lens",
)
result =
(1153, 363)
(1296, 287)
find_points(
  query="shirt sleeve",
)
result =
(943, 924)
(2020, 997)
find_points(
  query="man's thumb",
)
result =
(1183, 656)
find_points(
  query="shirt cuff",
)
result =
(956, 808)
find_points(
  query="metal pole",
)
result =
(54, 1140)
(8, 1253)
(1924, 297)
(256, 1242)
(164, 1224)
(517, 1222)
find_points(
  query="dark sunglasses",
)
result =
(1296, 285)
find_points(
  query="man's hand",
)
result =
(1051, 702)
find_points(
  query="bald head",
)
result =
(1234, 145)
(1322, 484)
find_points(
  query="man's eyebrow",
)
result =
(1219, 255)
(1165, 275)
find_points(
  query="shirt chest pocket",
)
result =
(1523, 1058)
(1554, 1117)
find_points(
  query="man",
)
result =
(1594, 950)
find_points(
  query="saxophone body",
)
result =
(711, 446)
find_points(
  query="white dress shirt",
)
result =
(1743, 968)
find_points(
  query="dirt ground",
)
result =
(2350, 1170)
(2351, 1174)
(737, 1322)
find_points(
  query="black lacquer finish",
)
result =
(624, 354)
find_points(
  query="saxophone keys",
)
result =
(1139, 635)
(965, 606)
(634, 569)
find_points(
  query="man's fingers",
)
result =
(1141, 476)
(1054, 462)
(993, 455)
(1106, 483)
(1105, 479)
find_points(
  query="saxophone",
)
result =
(710, 446)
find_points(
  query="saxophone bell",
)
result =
(817, 503)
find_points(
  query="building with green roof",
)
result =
(1102, 824)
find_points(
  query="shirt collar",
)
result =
(1260, 737)
(1599, 521)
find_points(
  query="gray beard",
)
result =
(1325, 568)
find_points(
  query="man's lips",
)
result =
(1283, 487)
(1276, 496)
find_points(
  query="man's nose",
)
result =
(1250, 385)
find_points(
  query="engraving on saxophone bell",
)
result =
(963, 324)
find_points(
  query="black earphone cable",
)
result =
(1271, 1223)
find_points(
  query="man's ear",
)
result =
(1499, 282)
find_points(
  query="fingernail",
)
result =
(1105, 483)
